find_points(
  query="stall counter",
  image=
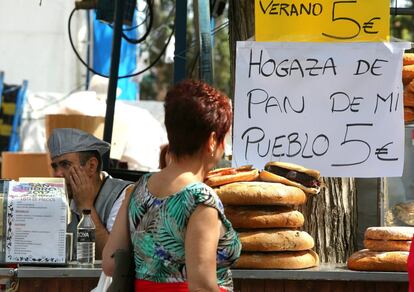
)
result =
(326, 277)
(69, 278)
(328, 272)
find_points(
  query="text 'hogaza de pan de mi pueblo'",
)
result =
(261, 102)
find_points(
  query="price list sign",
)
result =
(335, 107)
(322, 20)
(36, 223)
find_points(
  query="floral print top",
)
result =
(158, 228)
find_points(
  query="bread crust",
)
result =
(404, 212)
(389, 233)
(408, 114)
(276, 240)
(271, 177)
(387, 245)
(278, 260)
(408, 59)
(409, 87)
(409, 96)
(260, 193)
(262, 217)
(407, 74)
(312, 172)
(245, 175)
(389, 261)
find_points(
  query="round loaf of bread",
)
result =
(260, 193)
(278, 260)
(407, 74)
(409, 94)
(408, 59)
(312, 172)
(263, 217)
(292, 174)
(275, 240)
(271, 177)
(404, 212)
(389, 261)
(408, 114)
(240, 174)
(389, 233)
(387, 245)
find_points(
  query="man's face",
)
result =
(61, 166)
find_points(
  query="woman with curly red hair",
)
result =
(181, 238)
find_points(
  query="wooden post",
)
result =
(331, 219)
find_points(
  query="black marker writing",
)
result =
(258, 135)
(345, 102)
(269, 67)
(364, 67)
(291, 145)
(291, 9)
(390, 97)
(350, 26)
(369, 25)
(384, 151)
(320, 140)
(347, 140)
(259, 96)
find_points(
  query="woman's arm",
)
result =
(119, 238)
(201, 240)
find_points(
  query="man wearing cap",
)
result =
(77, 156)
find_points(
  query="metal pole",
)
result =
(113, 77)
(401, 11)
(180, 40)
(206, 58)
(88, 47)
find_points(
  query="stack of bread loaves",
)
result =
(386, 249)
(264, 215)
(408, 81)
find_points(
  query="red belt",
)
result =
(149, 286)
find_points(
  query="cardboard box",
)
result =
(23, 164)
(88, 124)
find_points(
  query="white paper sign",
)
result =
(335, 107)
(36, 223)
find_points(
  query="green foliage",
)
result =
(401, 26)
(221, 60)
(154, 82)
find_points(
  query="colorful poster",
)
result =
(36, 223)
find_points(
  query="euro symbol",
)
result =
(368, 26)
(384, 151)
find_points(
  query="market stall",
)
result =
(335, 237)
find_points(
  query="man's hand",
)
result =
(82, 187)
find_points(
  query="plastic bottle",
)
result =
(85, 246)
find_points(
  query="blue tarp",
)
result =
(102, 37)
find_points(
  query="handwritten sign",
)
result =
(335, 107)
(322, 20)
(36, 223)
